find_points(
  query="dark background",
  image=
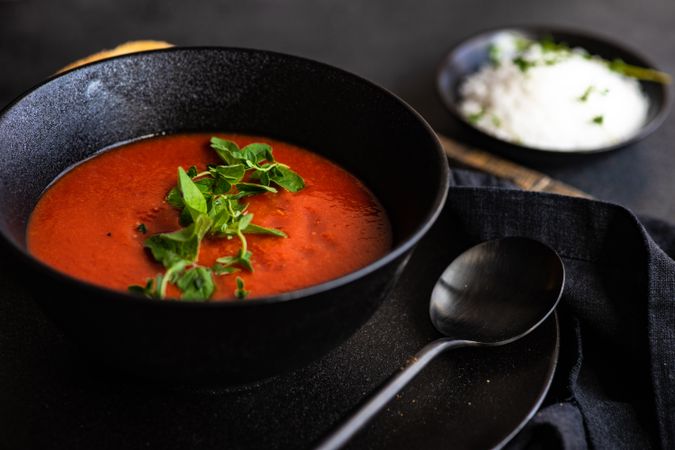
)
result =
(396, 44)
(49, 398)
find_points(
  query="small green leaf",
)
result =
(228, 151)
(233, 173)
(244, 221)
(255, 188)
(220, 269)
(227, 260)
(257, 229)
(196, 284)
(257, 153)
(170, 276)
(168, 251)
(598, 120)
(240, 292)
(205, 185)
(245, 259)
(192, 171)
(185, 219)
(192, 196)
(142, 228)
(175, 199)
(221, 186)
(242, 259)
(148, 290)
(169, 248)
(287, 179)
(220, 215)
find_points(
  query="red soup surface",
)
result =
(86, 224)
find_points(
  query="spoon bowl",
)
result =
(497, 291)
(492, 294)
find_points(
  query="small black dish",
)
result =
(472, 53)
(351, 121)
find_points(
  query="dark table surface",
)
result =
(396, 44)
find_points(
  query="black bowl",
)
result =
(472, 53)
(360, 126)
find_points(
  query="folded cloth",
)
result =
(614, 386)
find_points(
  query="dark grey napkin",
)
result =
(615, 383)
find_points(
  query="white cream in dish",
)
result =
(548, 96)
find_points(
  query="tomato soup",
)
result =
(93, 221)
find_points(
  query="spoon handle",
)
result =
(339, 437)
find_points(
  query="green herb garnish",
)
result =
(476, 117)
(522, 44)
(211, 204)
(554, 52)
(142, 228)
(640, 73)
(494, 54)
(598, 120)
(586, 93)
(548, 45)
(240, 292)
(523, 64)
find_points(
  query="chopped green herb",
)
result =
(476, 117)
(494, 54)
(523, 64)
(548, 45)
(640, 73)
(210, 203)
(554, 52)
(522, 43)
(598, 120)
(586, 93)
(142, 228)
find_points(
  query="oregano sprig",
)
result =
(210, 204)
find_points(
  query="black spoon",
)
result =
(492, 294)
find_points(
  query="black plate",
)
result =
(466, 57)
(469, 398)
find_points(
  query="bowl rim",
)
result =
(105, 293)
(647, 128)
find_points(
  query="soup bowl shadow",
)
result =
(351, 121)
